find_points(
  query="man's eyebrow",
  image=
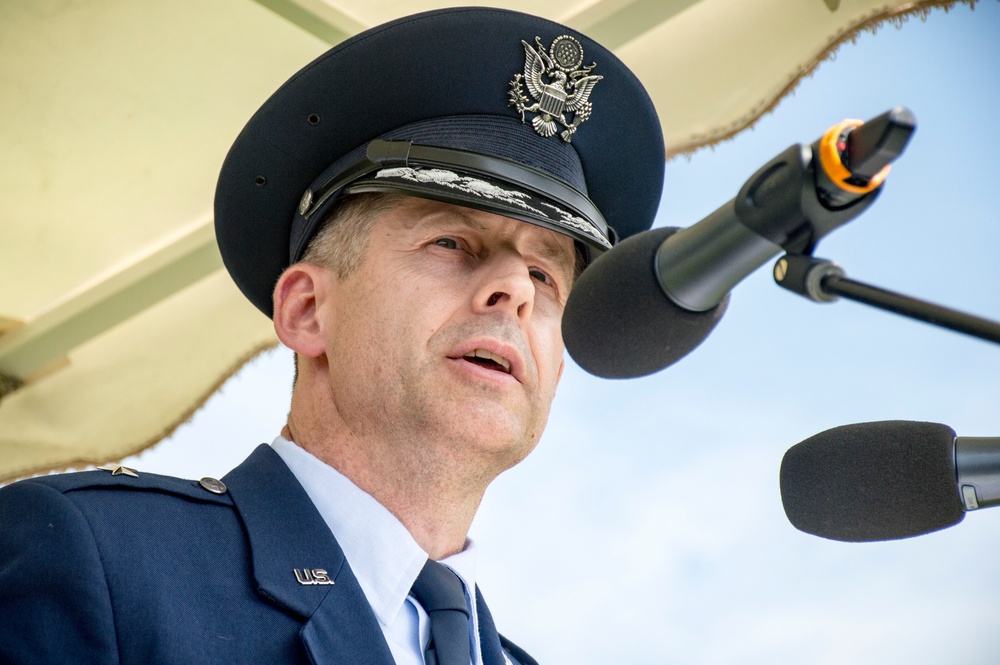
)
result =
(552, 250)
(469, 221)
(444, 218)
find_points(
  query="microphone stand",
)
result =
(820, 280)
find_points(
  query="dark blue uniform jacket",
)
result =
(102, 568)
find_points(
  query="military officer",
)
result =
(411, 209)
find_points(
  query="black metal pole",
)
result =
(912, 308)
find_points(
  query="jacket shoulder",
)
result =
(208, 490)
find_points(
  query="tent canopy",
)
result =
(117, 320)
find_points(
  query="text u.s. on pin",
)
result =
(310, 576)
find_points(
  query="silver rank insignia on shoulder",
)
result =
(311, 576)
(558, 84)
(119, 470)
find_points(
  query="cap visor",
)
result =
(482, 193)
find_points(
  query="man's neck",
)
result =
(433, 500)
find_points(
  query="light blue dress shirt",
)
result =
(383, 555)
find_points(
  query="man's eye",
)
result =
(447, 243)
(539, 275)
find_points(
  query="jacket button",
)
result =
(212, 485)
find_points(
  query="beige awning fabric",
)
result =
(116, 319)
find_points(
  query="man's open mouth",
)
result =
(488, 360)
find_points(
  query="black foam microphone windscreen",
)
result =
(873, 481)
(618, 322)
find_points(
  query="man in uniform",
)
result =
(411, 209)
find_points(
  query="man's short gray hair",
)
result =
(340, 243)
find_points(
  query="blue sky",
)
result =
(648, 527)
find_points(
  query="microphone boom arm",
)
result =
(821, 280)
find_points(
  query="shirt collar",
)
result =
(383, 555)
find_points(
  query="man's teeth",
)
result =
(483, 354)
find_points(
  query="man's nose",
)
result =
(506, 285)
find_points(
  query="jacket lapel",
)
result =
(299, 566)
(489, 639)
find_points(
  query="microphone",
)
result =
(887, 480)
(654, 297)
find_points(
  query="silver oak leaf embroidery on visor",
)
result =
(486, 190)
(580, 224)
(462, 183)
(557, 83)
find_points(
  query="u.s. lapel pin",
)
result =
(312, 576)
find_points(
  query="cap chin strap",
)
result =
(382, 154)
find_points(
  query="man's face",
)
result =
(448, 334)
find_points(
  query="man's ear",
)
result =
(300, 297)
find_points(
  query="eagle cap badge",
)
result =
(557, 83)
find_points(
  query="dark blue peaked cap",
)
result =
(442, 105)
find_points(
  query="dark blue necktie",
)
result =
(439, 591)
